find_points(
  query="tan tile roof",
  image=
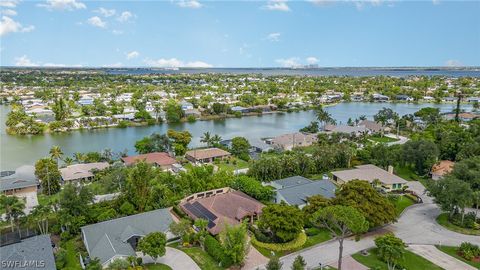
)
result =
(369, 173)
(443, 167)
(80, 171)
(207, 153)
(159, 158)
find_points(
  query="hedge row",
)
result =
(214, 249)
(277, 247)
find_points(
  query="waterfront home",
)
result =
(352, 130)
(372, 126)
(159, 159)
(118, 238)
(371, 173)
(206, 155)
(239, 109)
(85, 100)
(193, 112)
(289, 141)
(464, 117)
(441, 168)
(186, 105)
(28, 254)
(404, 98)
(380, 97)
(295, 190)
(21, 183)
(221, 206)
(82, 172)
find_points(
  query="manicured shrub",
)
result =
(215, 249)
(469, 251)
(312, 231)
(294, 244)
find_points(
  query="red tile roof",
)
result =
(159, 158)
(443, 167)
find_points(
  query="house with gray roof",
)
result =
(21, 183)
(118, 238)
(295, 190)
(29, 254)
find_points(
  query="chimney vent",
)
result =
(390, 169)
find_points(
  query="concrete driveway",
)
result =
(416, 226)
(439, 258)
(174, 258)
(401, 139)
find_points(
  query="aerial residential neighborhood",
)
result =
(239, 135)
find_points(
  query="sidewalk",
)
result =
(439, 258)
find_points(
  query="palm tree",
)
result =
(68, 161)
(40, 215)
(206, 138)
(216, 139)
(12, 207)
(79, 157)
(323, 116)
(56, 153)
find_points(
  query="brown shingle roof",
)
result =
(159, 158)
(81, 171)
(369, 173)
(207, 153)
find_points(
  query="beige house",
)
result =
(289, 141)
(371, 173)
(206, 155)
(82, 172)
(21, 183)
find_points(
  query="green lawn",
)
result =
(72, 259)
(203, 259)
(401, 203)
(410, 261)
(233, 164)
(442, 219)
(452, 251)
(408, 174)
(157, 266)
(384, 139)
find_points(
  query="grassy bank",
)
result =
(202, 258)
(452, 251)
(411, 261)
(442, 219)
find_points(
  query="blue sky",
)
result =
(197, 33)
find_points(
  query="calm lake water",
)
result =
(19, 150)
(342, 71)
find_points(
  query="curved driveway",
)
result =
(417, 225)
(174, 258)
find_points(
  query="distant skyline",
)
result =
(277, 33)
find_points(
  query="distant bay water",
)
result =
(19, 150)
(342, 71)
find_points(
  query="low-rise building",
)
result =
(82, 171)
(118, 238)
(372, 126)
(292, 140)
(28, 254)
(160, 159)
(220, 207)
(295, 190)
(441, 168)
(370, 173)
(21, 183)
(206, 155)
(353, 130)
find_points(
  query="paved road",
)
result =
(174, 258)
(439, 258)
(417, 225)
(401, 139)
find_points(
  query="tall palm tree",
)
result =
(206, 138)
(40, 215)
(68, 161)
(323, 116)
(79, 157)
(56, 153)
(216, 139)
(13, 208)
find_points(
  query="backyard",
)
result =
(410, 261)
(382, 139)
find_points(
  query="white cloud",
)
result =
(311, 60)
(114, 65)
(8, 12)
(106, 12)
(97, 22)
(132, 54)
(321, 2)
(125, 16)
(289, 62)
(9, 3)
(174, 62)
(54, 65)
(24, 61)
(63, 5)
(279, 5)
(189, 4)
(273, 37)
(453, 63)
(8, 25)
(436, 2)
(117, 32)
